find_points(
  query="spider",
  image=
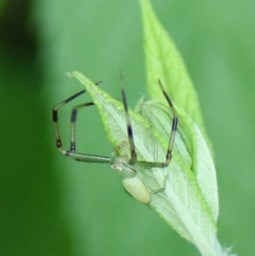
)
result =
(131, 182)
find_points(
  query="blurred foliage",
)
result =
(2, 7)
(30, 221)
(51, 205)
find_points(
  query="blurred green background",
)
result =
(51, 205)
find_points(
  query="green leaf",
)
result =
(175, 191)
(164, 62)
(190, 145)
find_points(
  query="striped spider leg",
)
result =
(72, 151)
(133, 154)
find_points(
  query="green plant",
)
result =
(185, 193)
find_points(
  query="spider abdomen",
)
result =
(136, 188)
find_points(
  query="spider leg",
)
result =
(73, 123)
(173, 128)
(72, 152)
(133, 159)
(133, 154)
(55, 118)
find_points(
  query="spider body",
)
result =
(131, 182)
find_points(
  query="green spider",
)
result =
(133, 185)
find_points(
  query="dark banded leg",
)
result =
(174, 126)
(129, 130)
(73, 124)
(72, 152)
(133, 159)
(55, 117)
